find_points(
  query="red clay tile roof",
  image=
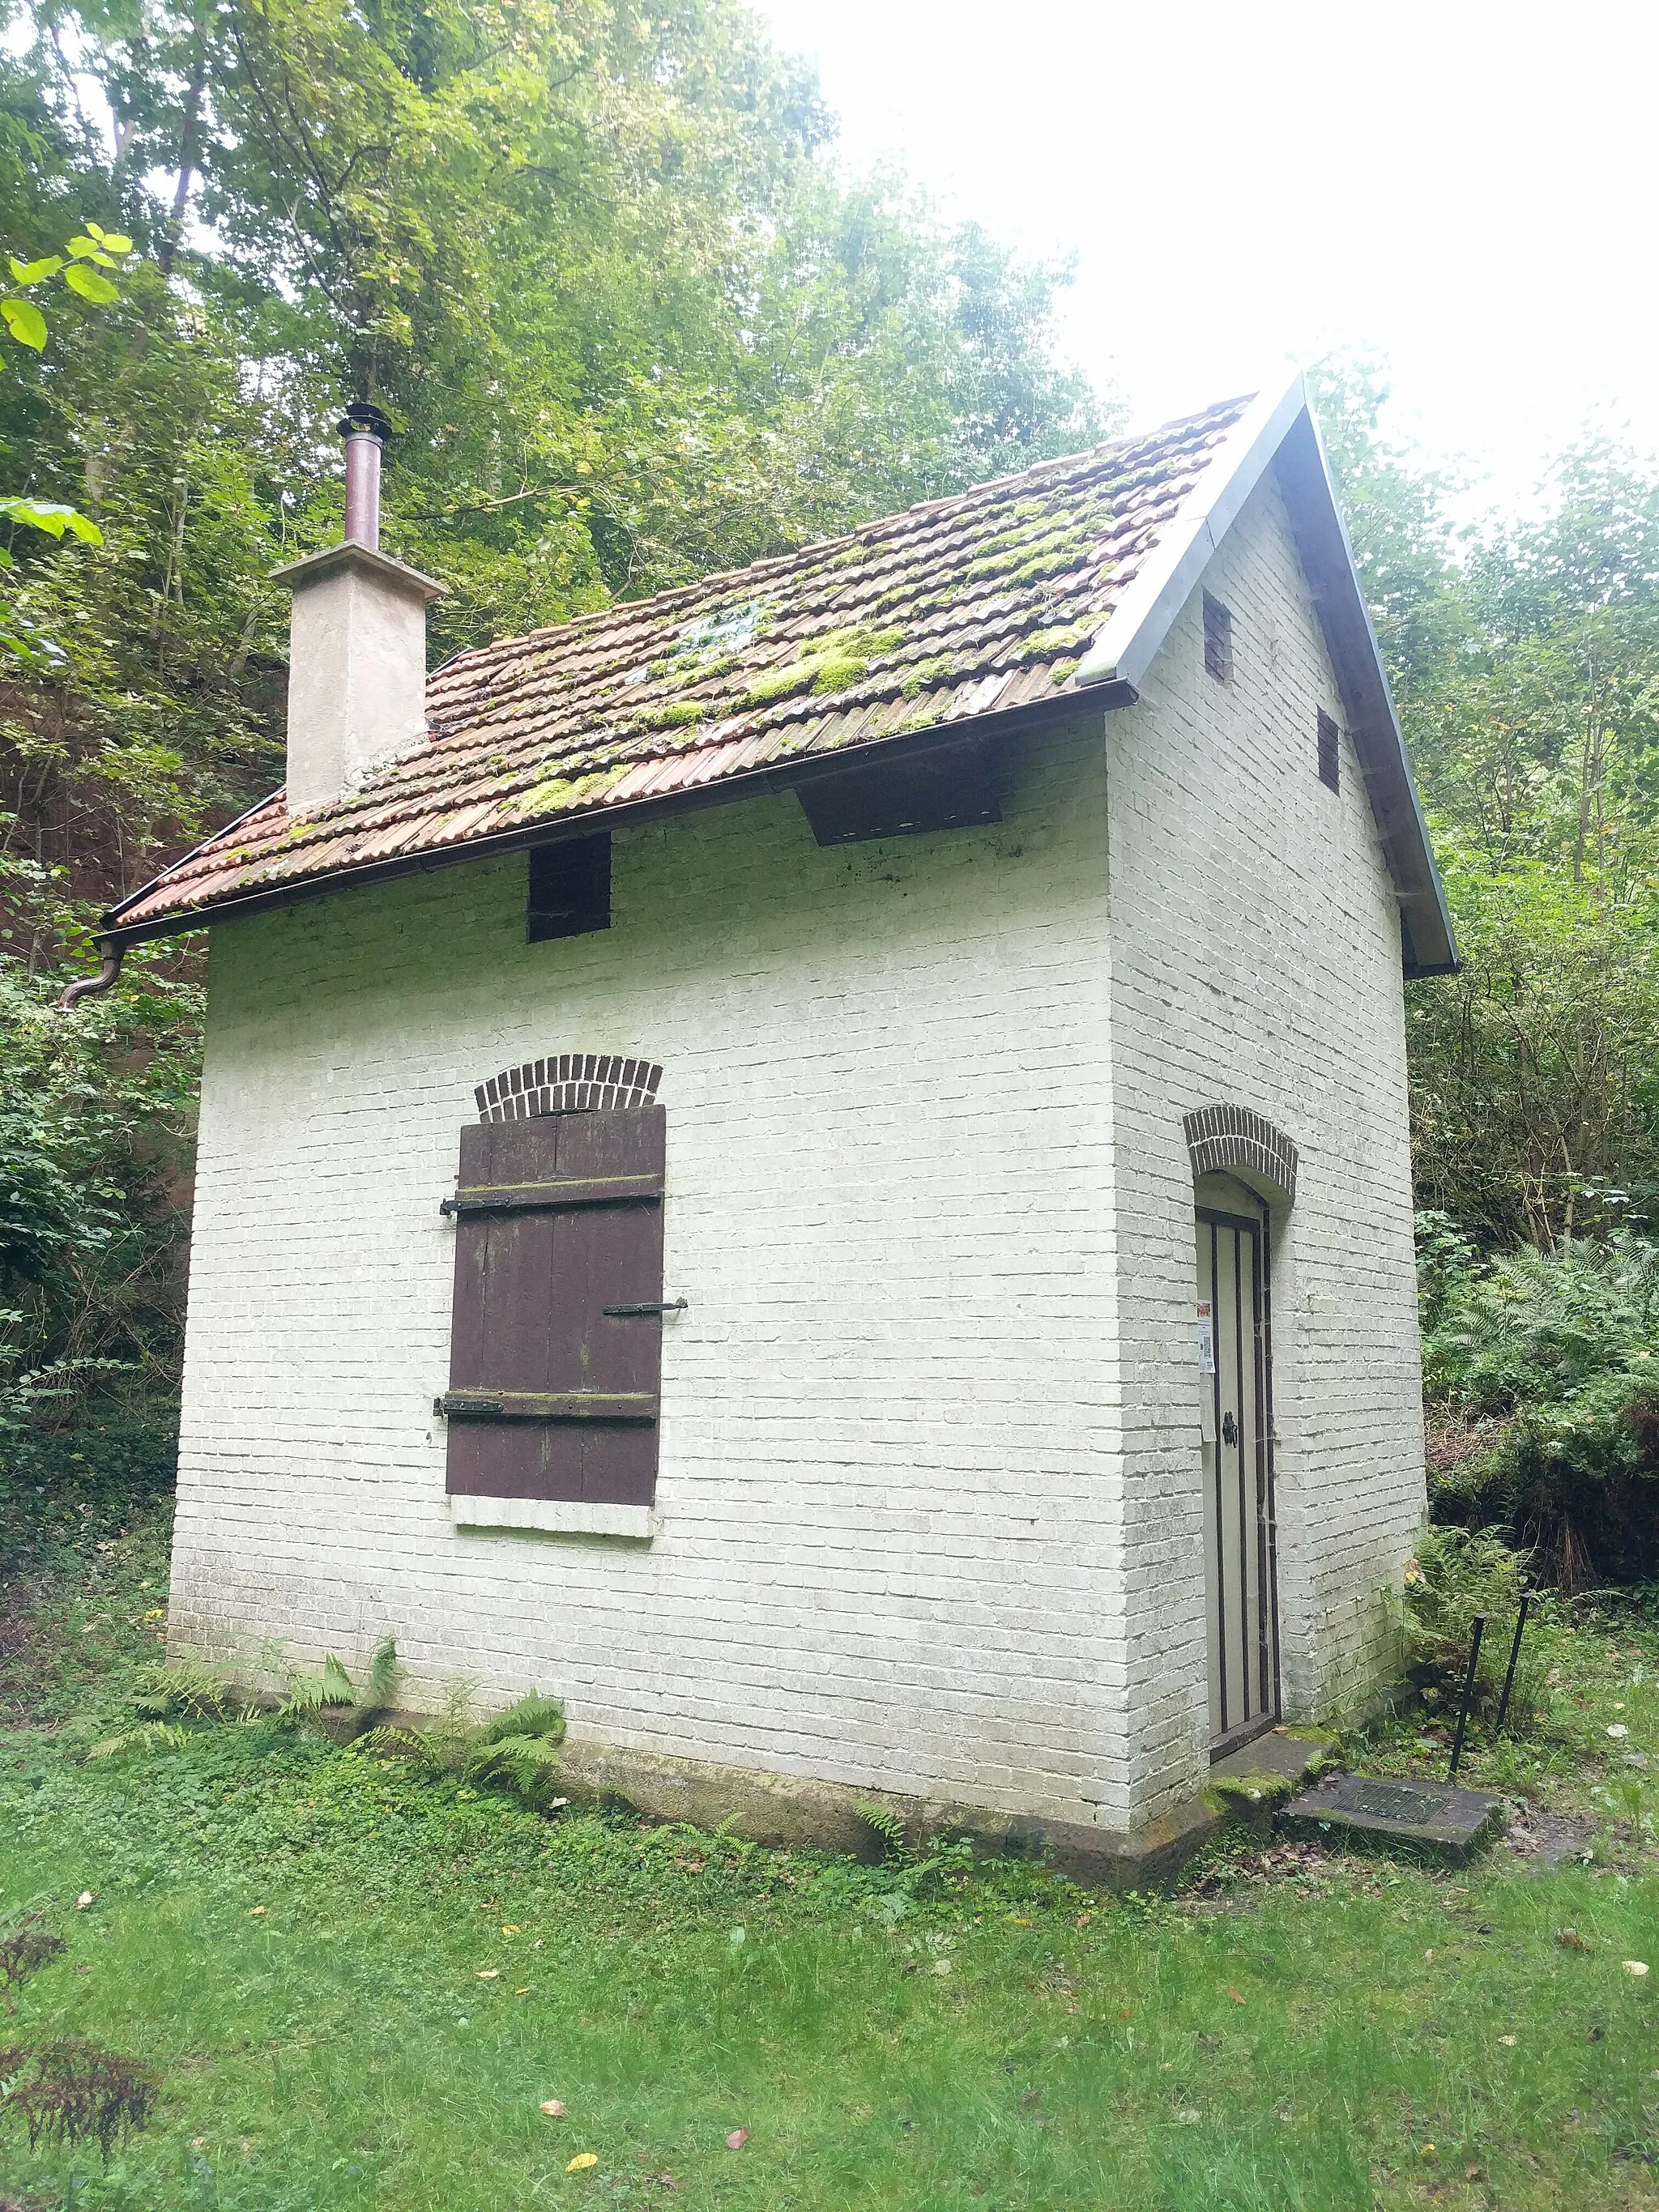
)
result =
(964, 606)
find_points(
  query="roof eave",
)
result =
(975, 729)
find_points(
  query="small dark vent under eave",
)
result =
(950, 789)
(1330, 753)
(570, 888)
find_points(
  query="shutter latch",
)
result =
(635, 1313)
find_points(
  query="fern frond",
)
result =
(534, 1716)
(386, 1675)
(526, 1765)
(887, 1824)
(147, 1736)
(308, 1693)
(396, 1743)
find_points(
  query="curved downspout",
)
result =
(88, 986)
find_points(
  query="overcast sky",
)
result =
(1468, 189)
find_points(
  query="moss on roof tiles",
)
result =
(894, 628)
(833, 662)
(673, 714)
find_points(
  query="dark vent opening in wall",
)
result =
(1330, 755)
(949, 789)
(570, 888)
(1218, 641)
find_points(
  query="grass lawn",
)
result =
(360, 1986)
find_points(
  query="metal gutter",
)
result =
(971, 729)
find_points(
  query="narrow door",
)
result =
(1241, 1600)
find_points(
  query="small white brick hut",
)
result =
(817, 1165)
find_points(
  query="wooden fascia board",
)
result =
(1134, 633)
(1326, 557)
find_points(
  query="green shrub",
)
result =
(1456, 1575)
(1541, 1376)
(59, 1487)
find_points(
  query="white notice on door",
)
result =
(1205, 1337)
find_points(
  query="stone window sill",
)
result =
(554, 1516)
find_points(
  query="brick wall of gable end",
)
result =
(887, 1551)
(1256, 961)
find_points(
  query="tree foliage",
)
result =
(631, 325)
(1525, 660)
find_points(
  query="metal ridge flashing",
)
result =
(1129, 641)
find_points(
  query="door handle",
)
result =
(1229, 1429)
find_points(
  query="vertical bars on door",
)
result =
(1241, 1541)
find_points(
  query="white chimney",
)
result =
(357, 669)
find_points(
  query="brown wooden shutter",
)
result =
(549, 1395)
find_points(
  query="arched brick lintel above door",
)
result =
(1223, 1139)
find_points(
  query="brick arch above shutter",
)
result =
(568, 1083)
(1223, 1138)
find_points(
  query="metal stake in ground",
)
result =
(1468, 1692)
(1515, 1653)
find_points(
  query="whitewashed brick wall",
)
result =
(924, 1525)
(887, 1472)
(1256, 962)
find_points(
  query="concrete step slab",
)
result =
(1434, 1819)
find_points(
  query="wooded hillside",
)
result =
(632, 324)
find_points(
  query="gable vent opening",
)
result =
(1330, 753)
(1218, 641)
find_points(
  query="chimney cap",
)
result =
(361, 416)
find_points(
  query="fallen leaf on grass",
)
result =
(582, 2160)
(1083, 1919)
(1235, 1997)
(1428, 1955)
(1570, 1940)
(1471, 2173)
(1428, 2151)
(554, 2109)
(1618, 1731)
(256, 1912)
(663, 2181)
(524, 1992)
(84, 1899)
(1508, 2041)
(736, 2139)
(489, 1973)
(1637, 1967)
(511, 1929)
